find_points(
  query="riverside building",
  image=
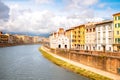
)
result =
(90, 38)
(104, 36)
(116, 23)
(59, 40)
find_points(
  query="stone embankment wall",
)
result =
(102, 60)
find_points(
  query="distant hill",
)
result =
(30, 34)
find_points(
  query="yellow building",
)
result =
(79, 37)
(116, 22)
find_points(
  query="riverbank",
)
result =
(13, 44)
(60, 61)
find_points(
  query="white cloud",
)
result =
(43, 1)
(79, 4)
(37, 21)
(76, 12)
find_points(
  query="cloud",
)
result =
(37, 22)
(4, 11)
(74, 12)
(43, 1)
(79, 4)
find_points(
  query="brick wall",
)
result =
(100, 60)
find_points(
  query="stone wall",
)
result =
(102, 61)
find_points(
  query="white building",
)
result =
(59, 40)
(104, 36)
(90, 38)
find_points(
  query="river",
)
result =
(26, 63)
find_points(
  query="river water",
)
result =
(26, 63)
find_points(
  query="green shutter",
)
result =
(118, 17)
(115, 25)
(119, 25)
(118, 40)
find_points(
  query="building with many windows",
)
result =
(116, 22)
(104, 36)
(4, 38)
(79, 37)
(59, 40)
(69, 35)
(90, 38)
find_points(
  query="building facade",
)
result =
(69, 35)
(4, 38)
(116, 23)
(104, 36)
(79, 37)
(59, 40)
(90, 38)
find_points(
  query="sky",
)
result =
(39, 17)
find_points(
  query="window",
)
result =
(98, 34)
(75, 32)
(104, 41)
(103, 27)
(110, 33)
(109, 48)
(119, 25)
(72, 40)
(90, 30)
(110, 41)
(117, 32)
(93, 29)
(98, 40)
(86, 30)
(118, 17)
(109, 27)
(99, 47)
(115, 17)
(115, 25)
(104, 34)
(118, 40)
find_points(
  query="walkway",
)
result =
(92, 69)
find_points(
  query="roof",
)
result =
(104, 22)
(79, 26)
(69, 29)
(116, 13)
